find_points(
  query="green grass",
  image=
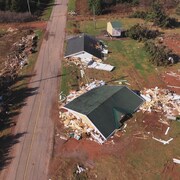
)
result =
(72, 5)
(69, 80)
(127, 53)
(47, 12)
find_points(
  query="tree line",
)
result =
(97, 6)
(157, 15)
(36, 6)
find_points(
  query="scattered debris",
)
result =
(18, 58)
(140, 135)
(72, 13)
(78, 128)
(80, 169)
(63, 137)
(167, 130)
(174, 118)
(10, 29)
(163, 141)
(177, 161)
(101, 66)
(90, 63)
(161, 100)
(163, 121)
(62, 97)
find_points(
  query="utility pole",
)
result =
(94, 17)
(29, 9)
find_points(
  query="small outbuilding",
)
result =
(114, 29)
(104, 107)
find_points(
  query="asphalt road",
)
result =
(32, 154)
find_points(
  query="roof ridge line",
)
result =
(103, 101)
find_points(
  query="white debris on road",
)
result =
(161, 100)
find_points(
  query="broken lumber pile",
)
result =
(161, 100)
(78, 128)
(17, 59)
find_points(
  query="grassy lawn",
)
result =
(126, 53)
(71, 5)
(69, 80)
(90, 28)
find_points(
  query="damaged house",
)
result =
(104, 107)
(89, 50)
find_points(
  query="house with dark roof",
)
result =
(84, 47)
(114, 28)
(104, 107)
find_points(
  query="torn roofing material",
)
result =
(102, 104)
(82, 43)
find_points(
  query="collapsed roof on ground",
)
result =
(83, 43)
(105, 107)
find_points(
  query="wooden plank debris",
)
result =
(177, 161)
(163, 141)
(161, 100)
(167, 130)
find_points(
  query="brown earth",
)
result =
(173, 42)
(139, 130)
(35, 24)
(173, 82)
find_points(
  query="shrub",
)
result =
(139, 14)
(159, 54)
(141, 33)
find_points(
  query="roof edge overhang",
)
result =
(74, 54)
(143, 100)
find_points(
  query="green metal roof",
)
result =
(116, 24)
(102, 105)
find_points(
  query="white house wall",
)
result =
(109, 28)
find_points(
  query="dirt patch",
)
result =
(172, 79)
(35, 25)
(173, 42)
